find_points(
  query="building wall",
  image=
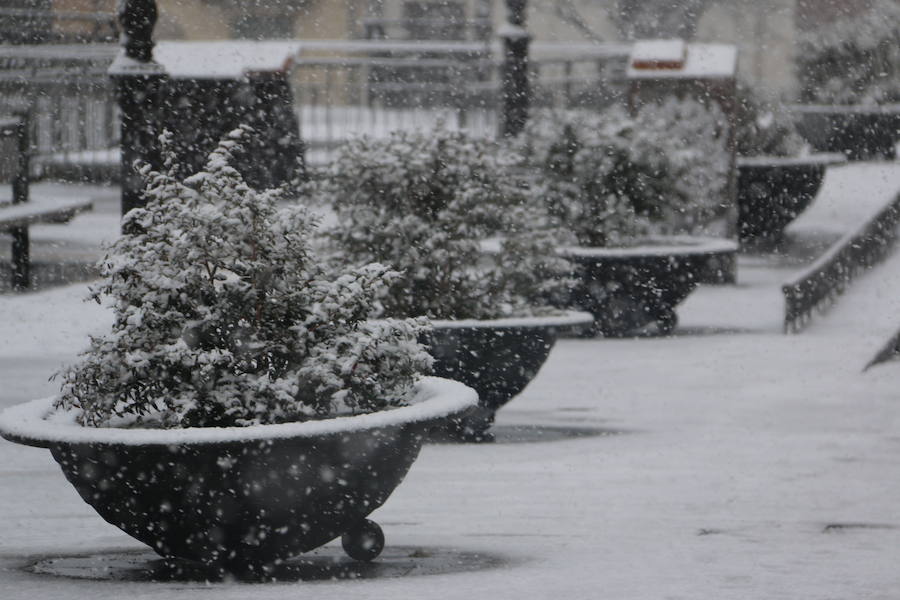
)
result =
(572, 20)
(764, 33)
(764, 30)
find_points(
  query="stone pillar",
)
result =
(515, 87)
(138, 81)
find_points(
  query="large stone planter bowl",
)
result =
(860, 132)
(497, 358)
(626, 289)
(241, 499)
(772, 191)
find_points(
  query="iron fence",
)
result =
(341, 88)
(374, 88)
(74, 122)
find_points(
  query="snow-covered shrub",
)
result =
(224, 316)
(764, 128)
(610, 178)
(430, 204)
(854, 59)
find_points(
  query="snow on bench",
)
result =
(15, 220)
(19, 212)
(861, 204)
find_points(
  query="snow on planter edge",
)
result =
(35, 423)
(816, 158)
(570, 318)
(658, 246)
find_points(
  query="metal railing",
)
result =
(75, 122)
(372, 88)
(32, 25)
(819, 285)
(341, 88)
(378, 28)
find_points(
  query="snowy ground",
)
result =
(744, 464)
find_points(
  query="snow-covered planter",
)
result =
(496, 357)
(777, 175)
(773, 190)
(850, 74)
(620, 186)
(238, 371)
(631, 287)
(425, 203)
(859, 132)
(241, 499)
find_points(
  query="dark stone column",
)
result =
(516, 89)
(138, 81)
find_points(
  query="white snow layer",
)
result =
(37, 423)
(748, 464)
(702, 61)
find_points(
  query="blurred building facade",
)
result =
(763, 30)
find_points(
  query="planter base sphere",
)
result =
(364, 542)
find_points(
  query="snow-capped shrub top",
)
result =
(224, 316)
(425, 203)
(610, 178)
(765, 129)
(854, 59)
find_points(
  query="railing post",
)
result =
(21, 260)
(515, 88)
(138, 81)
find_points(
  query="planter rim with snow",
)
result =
(242, 499)
(765, 160)
(655, 246)
(563, 319)
(36, 423)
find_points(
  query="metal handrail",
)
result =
(819, 285)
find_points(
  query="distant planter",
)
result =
(773, 190)
(497, 358)
(628, 288)
(860, 132)
(239, 499)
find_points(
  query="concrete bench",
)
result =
(20, 212)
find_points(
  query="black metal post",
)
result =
(21, 260)
(138, 80)
(516, 89)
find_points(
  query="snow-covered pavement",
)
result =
(737, 462)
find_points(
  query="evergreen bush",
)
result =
(854, 59)
(224, 315)
(611, 178)
(764, 128)
(451, 215)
